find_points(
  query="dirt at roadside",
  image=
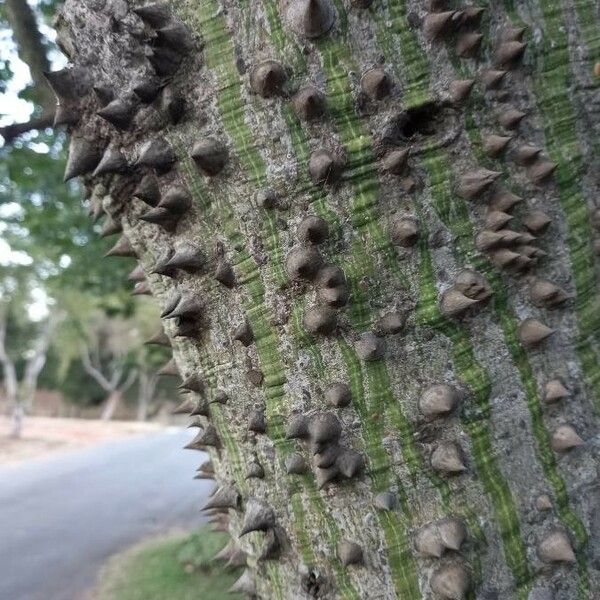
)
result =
(43, 436)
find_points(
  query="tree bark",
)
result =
(386, 356)
(18, 414)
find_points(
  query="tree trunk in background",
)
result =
(11, 384)
(35, 363)
(333, 250)
(18, 413)
(112, 383)
(9, 372)
(110, 405)
(115, 396)
(20, 394)
(142, 408)
(147, 386)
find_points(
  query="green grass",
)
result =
(177, 567)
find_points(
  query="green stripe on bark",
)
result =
(361, 168)
(361, 157)
(342, 110)
(588, 22)
(399, 553)
(584, 349)
(305, 543)
(454, 214)
(246, 273)
(275, 574)
(392, 25)
(330, 525)
(551, 87)
(476, 378)
(220, 58)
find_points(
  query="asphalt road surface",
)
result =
(62, 517)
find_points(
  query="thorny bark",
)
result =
(418, 123)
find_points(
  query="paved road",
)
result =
(62, 517)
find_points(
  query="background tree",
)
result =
(371, 227)
(105, 358)
(23, 349)
(49, 246)
(50, 253)
(150, 358)
(33, 49)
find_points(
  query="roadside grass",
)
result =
(175, 567)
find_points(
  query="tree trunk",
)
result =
(20, 395)
(11, 383)
(147, 385)
(18, 414)
(113, 384)
(142, 408)
(9, 372)
(110, 405)
(334, 252)
(35, 363)
(115, 396)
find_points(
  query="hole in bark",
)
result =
(313, 584)
(423, 121)
(420, 120)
